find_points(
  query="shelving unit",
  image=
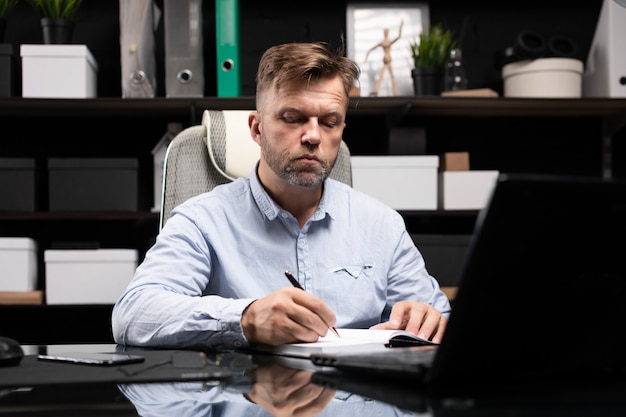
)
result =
(112, 127)
(115, 127)
(548, 136)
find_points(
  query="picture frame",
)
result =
(366, 24)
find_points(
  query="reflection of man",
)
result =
(386, 45)
(288, 392)
(276, 391)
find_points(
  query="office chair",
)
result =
(218, 151)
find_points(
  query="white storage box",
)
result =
(402, 182)
(18, 261)
(466, 190)
(544, 77)
(88, 276)
(58, 71)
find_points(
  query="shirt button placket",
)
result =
(303, 259)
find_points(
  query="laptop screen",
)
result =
(543, 288)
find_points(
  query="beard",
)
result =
(292, 171)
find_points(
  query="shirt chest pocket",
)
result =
(354, 271)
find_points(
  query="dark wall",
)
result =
(486, 28)
(489, 28)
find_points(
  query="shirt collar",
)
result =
(271, 209)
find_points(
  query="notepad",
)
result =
(351, 340)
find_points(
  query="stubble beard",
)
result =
(294, 173)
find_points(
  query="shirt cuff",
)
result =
(231, 334)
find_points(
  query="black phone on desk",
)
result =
(92, 358)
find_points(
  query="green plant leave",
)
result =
(433, 48)
(6, 6)
(65, 9)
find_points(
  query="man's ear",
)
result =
(254, 123)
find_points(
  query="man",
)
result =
(215, 276)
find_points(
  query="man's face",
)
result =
(301, 130)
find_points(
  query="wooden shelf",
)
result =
(79, 215)
(119, 107)
(612, 111)
(412, 105)
(490, 107)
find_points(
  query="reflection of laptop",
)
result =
(542, 290)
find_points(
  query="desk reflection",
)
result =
(268, 390)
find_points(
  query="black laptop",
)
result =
(542, 290)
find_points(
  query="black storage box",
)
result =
(444, 256)
(92, 184)
(10, 77)
(17, 182)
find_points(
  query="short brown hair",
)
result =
(304, 61)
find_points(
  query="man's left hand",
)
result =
(419, 318)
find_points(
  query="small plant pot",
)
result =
(427, 81)
(57, 31)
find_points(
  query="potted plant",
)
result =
(429, 59)
(57, 19)
(6, 6)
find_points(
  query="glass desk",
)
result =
(179, 384)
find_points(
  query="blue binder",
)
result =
(227, 35)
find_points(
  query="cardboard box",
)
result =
(455, 161)
(58, 71)
(88, 276)
(21, 297)
(466, 190)
(402, 182)
(92, 184)
(17, 182)
(18, 260)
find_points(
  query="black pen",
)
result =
(296, 284)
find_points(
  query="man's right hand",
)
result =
(288, 392)
(287, 315)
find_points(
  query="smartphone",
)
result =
(89, 358)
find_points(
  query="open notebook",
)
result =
(350, 340)
(542, 290)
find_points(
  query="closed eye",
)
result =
(330, 120)
(292, 120)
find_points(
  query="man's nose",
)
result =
(312, 131)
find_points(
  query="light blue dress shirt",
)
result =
(221, 250)
(211, 399)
